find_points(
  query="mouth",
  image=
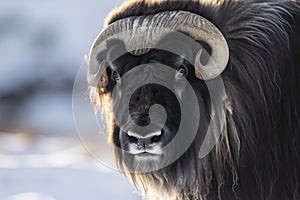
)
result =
(147, 153)
(146, 156)
(143, 162)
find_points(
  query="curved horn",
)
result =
(98, 78)
(210, 34)
(146, 31)
(208, 71)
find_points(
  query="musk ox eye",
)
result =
(116, 76)
(182, 71)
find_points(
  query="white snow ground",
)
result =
(45, 168)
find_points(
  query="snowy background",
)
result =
(42, 44)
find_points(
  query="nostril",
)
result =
(132, 139)
(155, 139)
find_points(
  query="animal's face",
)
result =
(153, 85)
(141, 130)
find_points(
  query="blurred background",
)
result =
(42, 45)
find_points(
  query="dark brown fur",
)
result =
(262, 82)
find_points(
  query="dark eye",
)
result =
(116, 76)
(182, 71)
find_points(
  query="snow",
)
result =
(42, 45)
(30, 196)
(64, 184)
(56, 168)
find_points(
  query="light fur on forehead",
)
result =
(113, 15)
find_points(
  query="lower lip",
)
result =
(146, 156)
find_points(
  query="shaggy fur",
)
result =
(258, 155)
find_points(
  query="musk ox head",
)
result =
(149, 76)
(158, 73)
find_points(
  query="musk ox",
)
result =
(252, 47)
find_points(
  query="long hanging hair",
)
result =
(258, 153)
